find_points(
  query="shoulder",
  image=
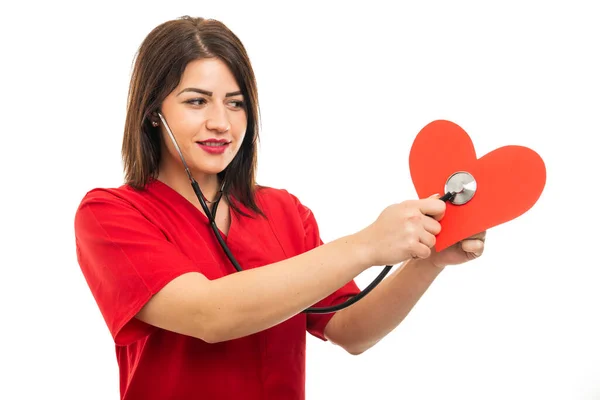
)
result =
(105, 204)
(111, 196)
(273, 198)
(281, 203)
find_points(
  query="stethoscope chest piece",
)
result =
(463, 185)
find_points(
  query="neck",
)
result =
(179, 181)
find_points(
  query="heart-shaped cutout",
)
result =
(509, 180)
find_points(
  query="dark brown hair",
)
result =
(158, 67)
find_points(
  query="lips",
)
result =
(214, 146)
(214, 142)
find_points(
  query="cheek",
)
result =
(188, 122)
(239, 127)
(239, 139)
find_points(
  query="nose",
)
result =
(217, 119)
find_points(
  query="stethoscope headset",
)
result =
(460, 188)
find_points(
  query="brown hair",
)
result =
(158, 67)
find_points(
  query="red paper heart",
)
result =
(509, 179)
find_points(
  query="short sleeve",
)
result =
(125, 259)
(316, 323)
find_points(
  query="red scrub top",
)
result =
(131, 243)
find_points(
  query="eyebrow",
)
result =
(206, 92)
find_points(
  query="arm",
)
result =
(253, 300)
(164, 289)
(361, 326)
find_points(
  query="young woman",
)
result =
(186, 324)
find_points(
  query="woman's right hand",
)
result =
(402, 231)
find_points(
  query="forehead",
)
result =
(210, 74)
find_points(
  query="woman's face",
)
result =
(207, 116)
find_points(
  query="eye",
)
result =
(197, 101)
(238, 104)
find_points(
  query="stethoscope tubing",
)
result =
(211, 217)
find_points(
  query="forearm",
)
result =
(361, 326)
(253, 300)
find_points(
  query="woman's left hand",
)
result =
(461, 252)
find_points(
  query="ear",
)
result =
(155, 119)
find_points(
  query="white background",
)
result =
(344, 88)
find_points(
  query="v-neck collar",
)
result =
(176, 197)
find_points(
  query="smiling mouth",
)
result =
(214, 144)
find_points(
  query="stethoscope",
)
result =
(460, 187)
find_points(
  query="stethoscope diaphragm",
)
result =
(462, 187)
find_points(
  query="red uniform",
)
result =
(131, 243)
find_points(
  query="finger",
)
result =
(474, 246)
(435, 208)
(421, 251)
(480, 236)
(438, 216)
(427, 238)
(431, 225)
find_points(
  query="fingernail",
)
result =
(435, 195)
